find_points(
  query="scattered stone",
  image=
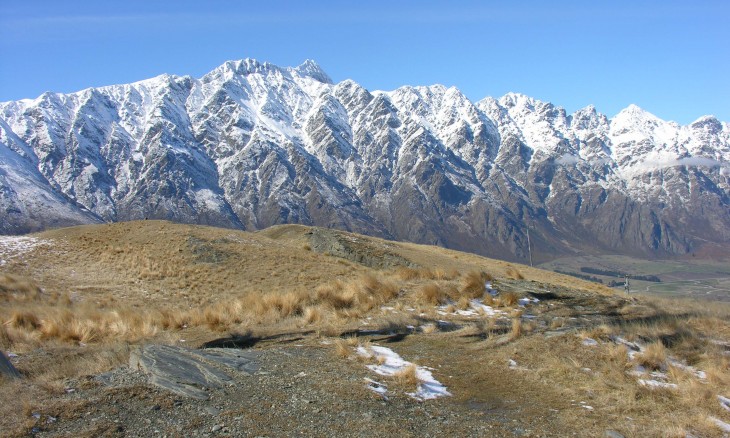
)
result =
(216, 428)
(613, 434)
(212, 410)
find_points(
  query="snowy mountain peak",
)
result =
(251, 144)
(709, 124)
(311, 69)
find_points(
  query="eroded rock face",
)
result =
(191, 372)
(251, 145)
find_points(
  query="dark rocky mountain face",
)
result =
(251, 145)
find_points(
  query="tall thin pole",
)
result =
(529, 247)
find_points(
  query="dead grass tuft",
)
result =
(429, 328)
(408, 376)
(15, 288)
(24, 320)
(312, 315)
(516, 330)
(432, 294)
(513, 273)
(407, 274)
(342, 349)
(507, 299)
(473, 285)
(653, 357)
(602, 332)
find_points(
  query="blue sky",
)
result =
(671, 58)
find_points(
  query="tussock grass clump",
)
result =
(506, 299)
(653, 357)
(444, 274)
(14, 288)
(557, 322)
(602, 332)
(24, 320)
(429, 328)
(513, 273)
(5, 341)
(342, 349)
(464, 303)
(473, 284)
(433, 294)
(618, 356)
(408, 376)
(406, 274)
(516, 330)
(312, 315)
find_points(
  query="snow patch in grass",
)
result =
(724, 402)
(391, 363)
(379, 388)
(590, 342)
(523, 302)
(655, 384)
(12, 247)
(725, 427)
(477, 307)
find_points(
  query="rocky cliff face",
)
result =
(251, 145)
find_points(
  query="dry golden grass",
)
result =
(557, 322)
(407, 376)
(429, 328)
(516, 330)
(342, 349)
(433, 294)
(507, 299)
(473, 284)
(513, 273)
(155, 281)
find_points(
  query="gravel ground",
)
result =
(299, 391)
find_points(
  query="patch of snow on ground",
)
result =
(724, 402)
(377, 387)
(488, 288)
(525, 301)
(390, 363)
(630, 345)
(12, 247)
(690, 369)
(721, 424)
(655, 384)
(590, 342)
(477, 306)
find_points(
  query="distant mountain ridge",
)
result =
(251, 144)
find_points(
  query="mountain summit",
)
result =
(251, 145)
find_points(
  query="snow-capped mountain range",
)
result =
(251, 145)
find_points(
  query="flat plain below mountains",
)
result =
(305, 331)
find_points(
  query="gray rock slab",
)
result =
(191, 373)
(6, 367)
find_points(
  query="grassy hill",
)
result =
(537, 354)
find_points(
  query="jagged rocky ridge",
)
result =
(251, 145)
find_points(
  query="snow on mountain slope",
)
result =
(251, 144)
(27, 202)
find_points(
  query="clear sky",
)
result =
(671, 58)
